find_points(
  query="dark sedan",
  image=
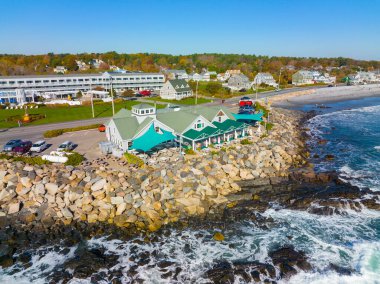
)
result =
(23, 147)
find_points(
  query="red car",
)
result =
(145, 93)
(23, 147)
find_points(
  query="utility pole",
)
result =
(256, 89)
(279, 79)
(113, 104)
(92, 101)
(196, 93)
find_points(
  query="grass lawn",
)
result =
(186, 101)
(62, 114)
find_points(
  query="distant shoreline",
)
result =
(331, 95)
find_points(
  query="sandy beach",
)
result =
(329, 95)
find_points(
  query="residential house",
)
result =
(176, 89)
(176, 74)
(195, 76)
(231, 72)
(325, 78)
(290, 67)
(96, 63)
(367, 77)
(60, 70)
(82, 66)
(144, 127)
(222, 77)
(239, 82)
(353, 79)
(205, 76)
(303, 77)
(265, 78)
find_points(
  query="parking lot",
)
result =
(86, 142)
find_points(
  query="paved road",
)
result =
(34, 133)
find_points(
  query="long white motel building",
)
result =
(60, 86)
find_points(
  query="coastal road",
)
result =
(34, 133)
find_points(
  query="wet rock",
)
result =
(218, 237)
(329, 157)
(221, 273)
(286, 258)
(340, 270)
(249, 271)
(88, 261)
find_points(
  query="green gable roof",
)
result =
(129, 127)
(177, 120)
(209, 112)
(178, 83)
(122, 113)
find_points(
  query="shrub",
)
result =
(74, 159)
(259, 107)
(28, 160)
(133, 159)
(214, 153)
(53, 133)
(269, 126)
(57, 132)
(245, 142)
(189, 151)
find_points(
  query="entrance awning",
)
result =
(151, 139)
(249, 117)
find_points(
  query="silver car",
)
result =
(39, 146)
(66, 146)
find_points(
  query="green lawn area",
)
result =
(62, 114)
(186, 101)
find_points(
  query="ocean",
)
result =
(350, 241)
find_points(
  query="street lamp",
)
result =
(279, 79)
(196, 93)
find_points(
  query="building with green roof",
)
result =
(176, 89)
(195, 127)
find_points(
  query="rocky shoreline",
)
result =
(48, 204)
(165, 191)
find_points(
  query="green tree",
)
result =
(128, 93)
(213, 87)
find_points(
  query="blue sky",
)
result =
(323, 28)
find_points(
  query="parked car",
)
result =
(23, 147)
(39, 146)
(102, 128)
(66, 146)
(11, 144)
(145, 93)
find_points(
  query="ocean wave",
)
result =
(366, 256)
(377, 147)
(345, 241)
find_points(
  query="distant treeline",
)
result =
(151, 62)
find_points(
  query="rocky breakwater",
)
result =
(166, 190)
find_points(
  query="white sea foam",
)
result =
(366, 257)
(42, 264)
(377, 147)
(344, 240)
